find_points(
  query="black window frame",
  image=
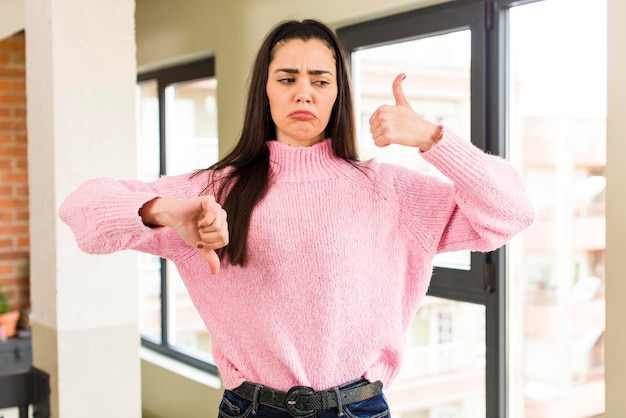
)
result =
(203, 68)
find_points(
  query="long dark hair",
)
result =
(247, 176)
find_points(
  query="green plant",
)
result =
(4, 302)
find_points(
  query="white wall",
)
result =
(11, 17)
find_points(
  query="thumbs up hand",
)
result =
(399, 124)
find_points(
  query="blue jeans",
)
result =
(234, 406)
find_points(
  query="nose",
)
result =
(303, 94)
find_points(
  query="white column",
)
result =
(81, 71)
(615, 339)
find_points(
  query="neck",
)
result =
(315, 162)
(300, 142)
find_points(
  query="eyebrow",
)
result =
(296, 71)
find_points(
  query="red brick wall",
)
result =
(14, 243)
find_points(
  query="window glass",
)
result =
(175, 136)
(148, 170)
(191, 144)
(443, 370)
(191, 140)
(557, 138)
(187, 331)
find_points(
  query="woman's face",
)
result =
(302, 89)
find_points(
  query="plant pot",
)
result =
(9, 321)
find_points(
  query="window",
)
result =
(177, 133)
(557, 137)
(518, 332)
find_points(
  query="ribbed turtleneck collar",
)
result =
(316, 162)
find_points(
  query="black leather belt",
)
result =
(303, 400)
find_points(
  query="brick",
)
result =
(10, 44)
(13, 204)
(13, 125)
(13, 151)
(19, 86)
(14, 177)
(18, 153)
(12, 72)
(13, 98)
(22, 216)
(9, 283)
(14, 210)
(21, 165)
(17, 60)
(13, 229)
(22, 297)
(22, 268)
(19, 112)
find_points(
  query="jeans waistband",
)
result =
(300, 401)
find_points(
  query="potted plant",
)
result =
(8, 316)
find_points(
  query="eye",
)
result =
(321, 83)
(286, 80)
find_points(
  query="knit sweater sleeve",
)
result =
(103, 214)
(483, 206)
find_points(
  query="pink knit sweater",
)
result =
(339, 258)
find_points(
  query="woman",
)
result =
(309, 285)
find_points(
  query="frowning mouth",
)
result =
(302, 115)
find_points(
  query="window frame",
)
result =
(203, 68)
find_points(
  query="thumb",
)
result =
(398, 93)
(213, 259)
